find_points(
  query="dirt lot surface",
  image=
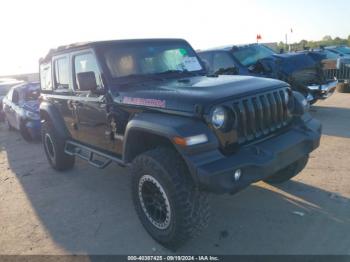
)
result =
(88, 211)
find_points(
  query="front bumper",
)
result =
(215, 172)
(34, 127)
(322, 91)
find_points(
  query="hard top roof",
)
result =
(25, 85)
(81, 45)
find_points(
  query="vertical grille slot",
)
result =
(273, 109)
(279, 109)
(250, 113)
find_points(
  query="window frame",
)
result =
(15, 91)
(72, 69)
(9, 94)
(209, 60)
(53, 73)
(229, 55)
(46, 65)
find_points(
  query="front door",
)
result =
(92, 125)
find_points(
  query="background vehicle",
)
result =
(149, 104)
(303, 71)
(5, 85)
(341, 50)
(341, 70)
(21, 109)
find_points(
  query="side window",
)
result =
(9, 94)
(61, 73)
(86, 63)
(207, 60)
(15, 96)
(222, 60)
(45, 77)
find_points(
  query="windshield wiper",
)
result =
(181, 72)
(172, 71)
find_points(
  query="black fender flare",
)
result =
(48, 112)
(170, 126)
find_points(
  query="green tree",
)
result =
(327, 38)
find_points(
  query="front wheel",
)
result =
(288, 172)
(170, 208)
(24, 131)
(54, 148)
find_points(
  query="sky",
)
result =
(29, 28)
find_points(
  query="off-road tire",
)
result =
(54, 148)
(189, 207)
(289, 172)
(343, 88)
(24, 131)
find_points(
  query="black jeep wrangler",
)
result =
(150, 105)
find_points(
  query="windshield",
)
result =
(32, 93)
(249, 55)
(344, 49)
(4, 89)
(150, 58)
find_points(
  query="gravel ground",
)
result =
(88, 211)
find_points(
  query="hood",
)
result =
(32, 106)
(188, 93)
(292, 62)
(298, 69)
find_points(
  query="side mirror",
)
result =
(86, 81)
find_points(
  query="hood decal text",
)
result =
(144, 102)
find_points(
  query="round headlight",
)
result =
(218, 117)
(301, 104)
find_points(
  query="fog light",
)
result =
(237, 174)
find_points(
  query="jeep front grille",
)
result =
(262, 114)
(341, 74)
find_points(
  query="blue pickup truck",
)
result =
(302, 70)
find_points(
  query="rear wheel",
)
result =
(289, 172)
(170, 208)
(343, 88)
(54, 148)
